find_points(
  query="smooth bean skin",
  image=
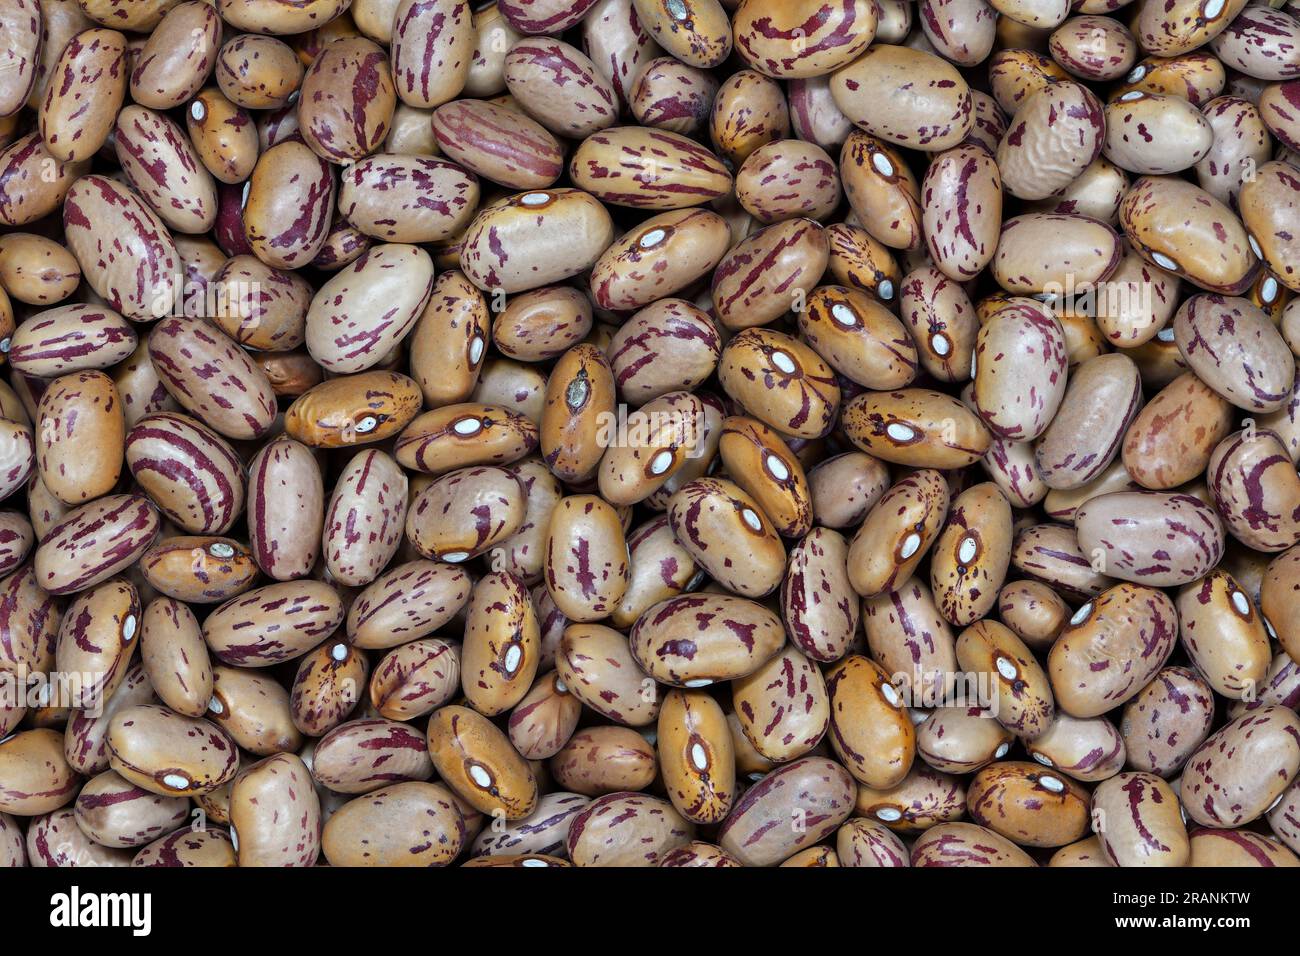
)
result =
(476, 760)
(1126, 528)
(1136, 816)
(967, 844)
(626, 829)
(755, 832)
(1239, 771)
(1167, 720)
(407, 824)
(1130, 623)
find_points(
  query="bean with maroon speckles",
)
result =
(77, 113)
(1180, 26)
(174, 656)
(35, 183)
(1137, 818)
(967, 845)
(971, 555)
(544, 720)
(1031, 805)
(1018, 397)
(783, 708)
(258, 72)
(1240, 771)
(225, 139)
(363, 755)
(607, 759)
(407, 824)
(407, 602)
(97, 640)
(274, 623)
(1173, 436)
(598, 666)
(81, 428)
(1149, 537)
(1112, 647)
(115, 813)
(897, 533)
(761, 463)
(767, 273)
(364, 520)
(728, 534)
(275, 814)
(500, 144)
(94, 542)
(1101, 400)
(36, 270)
(870, 729)
(905, 96)
(346, 100)
(695, 640)
(648, 169)
(432, 49)
(85, 737)
(917, 427)
(57, 840)
(464, 513)
(1087, 749)
(787, 811)
(1254, 486)
(1019, 692)
(1093, 48)
(37, 777)
(363, 311)
(199, 569)
(353, 409)
(867, 843)
(912, 642)
(535, 238)
(170, 754)
(673, 96)
(331, 680)
(13, 852)
(71, 338)
(177, 56)
(560, 87)
(210, 847)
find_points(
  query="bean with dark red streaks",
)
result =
(57, 840)
(694, 640)
(544, 720)
(211, 847)
(1137, 818)
(115, 813)
(1241, 770)
(169, 754)
(71, 338)
(598, 666)
(407, 602)
(967, 845)
(274, 623)
(500, 144)
(758, 831)
(365, 518)
(362, 755)
(783, 707)
(94, 542)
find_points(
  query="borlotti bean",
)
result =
(649, 433)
